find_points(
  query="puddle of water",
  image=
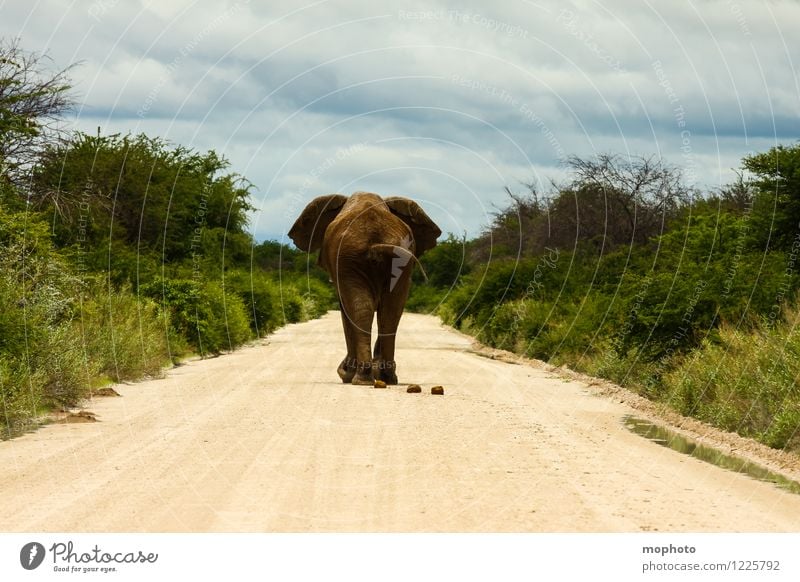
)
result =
(667, 438)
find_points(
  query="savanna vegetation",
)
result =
(121, 254)
(625, 272)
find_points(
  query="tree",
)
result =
(521, 228)
(776, 208)
(637, 195)
(118, 199)
(445, 262)
(736, 197)
(32, 101)
(609, 201)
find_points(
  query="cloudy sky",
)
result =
(445, 102)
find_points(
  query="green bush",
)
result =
(703, 276)
(318, 299)
(578, 328)
(121, 333)
(271, 301)
(444, 263)
(425, 298)
(746, 382)
(109, 334)
(261, 300)
(41, 355)
(21, 394)
(67, 366)
(206, 316)
(177, 301)
(222, 321)
(501, 330)
(292, 305)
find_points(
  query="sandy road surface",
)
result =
(267, 439)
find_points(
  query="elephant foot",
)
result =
(347, 370)
(385, 370)
(363, 374)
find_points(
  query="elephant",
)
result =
(368, 246)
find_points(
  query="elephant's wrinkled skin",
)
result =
(368, 245)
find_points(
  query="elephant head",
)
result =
(309, 229)
(366, 245)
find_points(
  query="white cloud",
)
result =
(450, 101)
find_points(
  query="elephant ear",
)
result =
(308, 230)
(422, 227)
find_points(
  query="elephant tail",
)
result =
(400, 256)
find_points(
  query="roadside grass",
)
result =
(747, 382)
(740, 380)
(102, 334)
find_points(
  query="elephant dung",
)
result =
(379, 384)
(80, 416)
(438, 390)
(105, 392)
(414, 389)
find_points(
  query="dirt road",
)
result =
(268, 439)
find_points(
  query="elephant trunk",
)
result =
(400, 256)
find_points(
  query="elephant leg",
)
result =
(389, 312)
(347, 369)
(359, 311)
